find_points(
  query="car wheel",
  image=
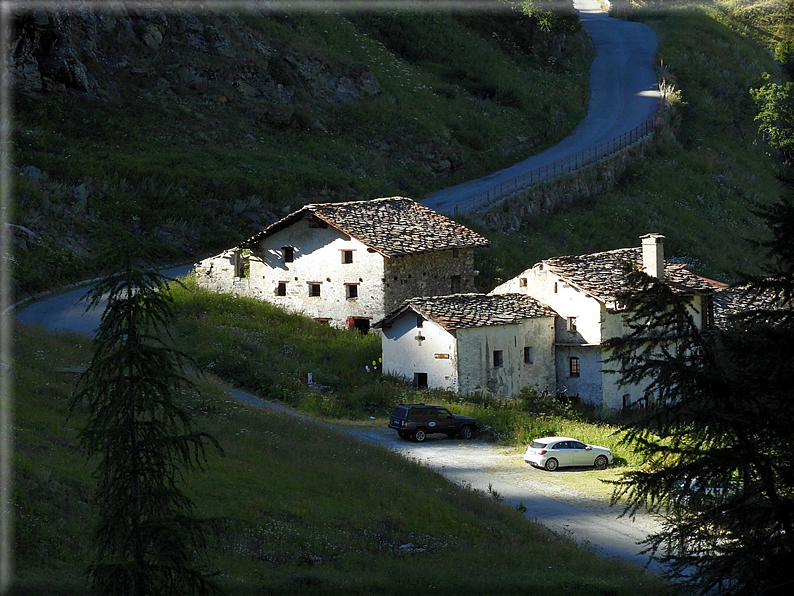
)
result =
(420, 435)
(551, 464)
(403, 435)
(466, 432)
(601, 462)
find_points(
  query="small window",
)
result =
(455, 285)
(529, 355)
(555, 287)
(289, 254)
(281, 290)
(347, 257)
(420, 321)
(574, 364)
(626, 400)
(498, 359)
(351, 291)
(522, 282)
(571, 324)
(420, 382)
(455, 253)
(314, 289)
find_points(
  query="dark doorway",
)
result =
(420, 380)
(361, 325)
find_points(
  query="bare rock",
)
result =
(33, 173)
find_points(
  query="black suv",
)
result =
(419, 420)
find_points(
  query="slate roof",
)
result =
(736, 300)
(601, 274)
(463, 311)
(393, 226)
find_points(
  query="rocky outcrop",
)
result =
(104, 53)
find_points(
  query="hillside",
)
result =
(701, 178)
(303, 509)
(201, 128)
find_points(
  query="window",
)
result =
(289, 254)
(529, 355)
(574, 365)
(498, 359)
(555, 287)
(314, 289)
(522, 282)
(282, 289)
(707, 311)
(455, 285)
(243, 268)
(351, 291)
(455, 253)
(420, 381)
(626, 400)
(571, 324)
(347, 257)
(420, 321)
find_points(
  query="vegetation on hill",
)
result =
(307, 510)
(202, 128)
(703, 176)
(256, 346)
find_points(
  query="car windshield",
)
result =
(536, 445)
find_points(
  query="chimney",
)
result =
(653, 255)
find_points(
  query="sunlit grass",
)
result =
(305, 509)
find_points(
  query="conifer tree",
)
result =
(146, 538)
(718, 435)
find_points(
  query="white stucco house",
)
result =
(582, 291)
(471, 343)
(348, 264)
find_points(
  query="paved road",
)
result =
(623, 94)
(66, 312)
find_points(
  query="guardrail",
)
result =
(561, 167)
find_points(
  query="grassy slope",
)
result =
(256, 346)
(697, 186)
(307, 509)
(201, 170)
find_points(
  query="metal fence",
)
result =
(561, 167)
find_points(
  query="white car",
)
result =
(554, 452)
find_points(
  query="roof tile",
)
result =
(393, 226)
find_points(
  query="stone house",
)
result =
(582, 291)
(471, 343)
(348, 264)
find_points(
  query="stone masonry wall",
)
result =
(427, 274)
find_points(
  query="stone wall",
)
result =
(428, 274)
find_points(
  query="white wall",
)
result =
(476, 345)
(404, 354)
(317, 258)
(566, 300)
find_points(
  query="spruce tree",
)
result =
(146, 538)
(718, 435)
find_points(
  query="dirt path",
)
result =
(588, 520)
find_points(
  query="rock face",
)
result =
(103, 54)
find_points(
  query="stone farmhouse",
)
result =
(471, 343)
(348, 264)
(582, 291)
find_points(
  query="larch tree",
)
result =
(718, 433)
(147, 538)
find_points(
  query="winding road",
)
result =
(624, 93)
